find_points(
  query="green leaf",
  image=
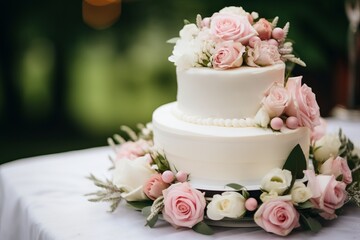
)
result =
(235, 186)
(146, 211)
(139, 205)
(305, 205)
(296, 164)
(203, 228)
(310, 223)
(152, 221)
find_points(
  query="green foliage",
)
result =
(296, 164)
(139, 205)
(203, 228)
(310, 223)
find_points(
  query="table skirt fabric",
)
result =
(43, 198)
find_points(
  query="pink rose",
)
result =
(263, 28)
(328, 194)
(183, 206)
(337, 166)
(263, 54)
(132, 150)
(277, 216)
(227, 26)
(302, 103)
(154, 186)
(275, 100)
(319, 131)
(228, 55)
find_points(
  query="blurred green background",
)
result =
(67, 86)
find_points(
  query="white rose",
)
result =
(228, 204)
(300, 193)
(277, 180)
(131, 175)
(326, 147)
(189, 32)
(262, 117)
(267, 196)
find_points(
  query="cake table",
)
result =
(43, 198)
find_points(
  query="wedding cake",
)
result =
(215, 130)
(242, 145)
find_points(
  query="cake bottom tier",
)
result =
(215, 156)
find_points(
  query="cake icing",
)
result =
(216, 156)
(231, 94)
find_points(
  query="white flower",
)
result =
(262, 117)
(131, 175)
(300, 193)
(326, 147)
(267, 196)
(189, 32)
(228, 204)
(277, 180)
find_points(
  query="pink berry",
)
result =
(273, 42)
(276, 123)
(181, 176)
(292, 122)
(251, 204)
(253, 40)
(278, 33)
(168, 176)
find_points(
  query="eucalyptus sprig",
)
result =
(108, 193)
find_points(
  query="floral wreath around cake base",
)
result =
(144, 178)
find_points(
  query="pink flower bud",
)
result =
(253, 40)
(273, 42)
(168, 176)
(181, 176)
(292, 122)
(278, 33)
(251, 204)
(276, 123)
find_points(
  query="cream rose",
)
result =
(328, 194)
(275, 100)
(277, 180)
(228, 55)
(302, 103)
(228, 204)
(227, 26)
(300, 193)
(326, 147)
(337, 166)
(262, 117)
(263, 54)
(131, 176)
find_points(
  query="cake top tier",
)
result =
(232, 38)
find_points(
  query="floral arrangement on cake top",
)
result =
(232, 38)
(288, 198)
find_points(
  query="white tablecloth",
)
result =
(43, 198)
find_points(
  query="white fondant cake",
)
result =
(215, 156)
(225, 94)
